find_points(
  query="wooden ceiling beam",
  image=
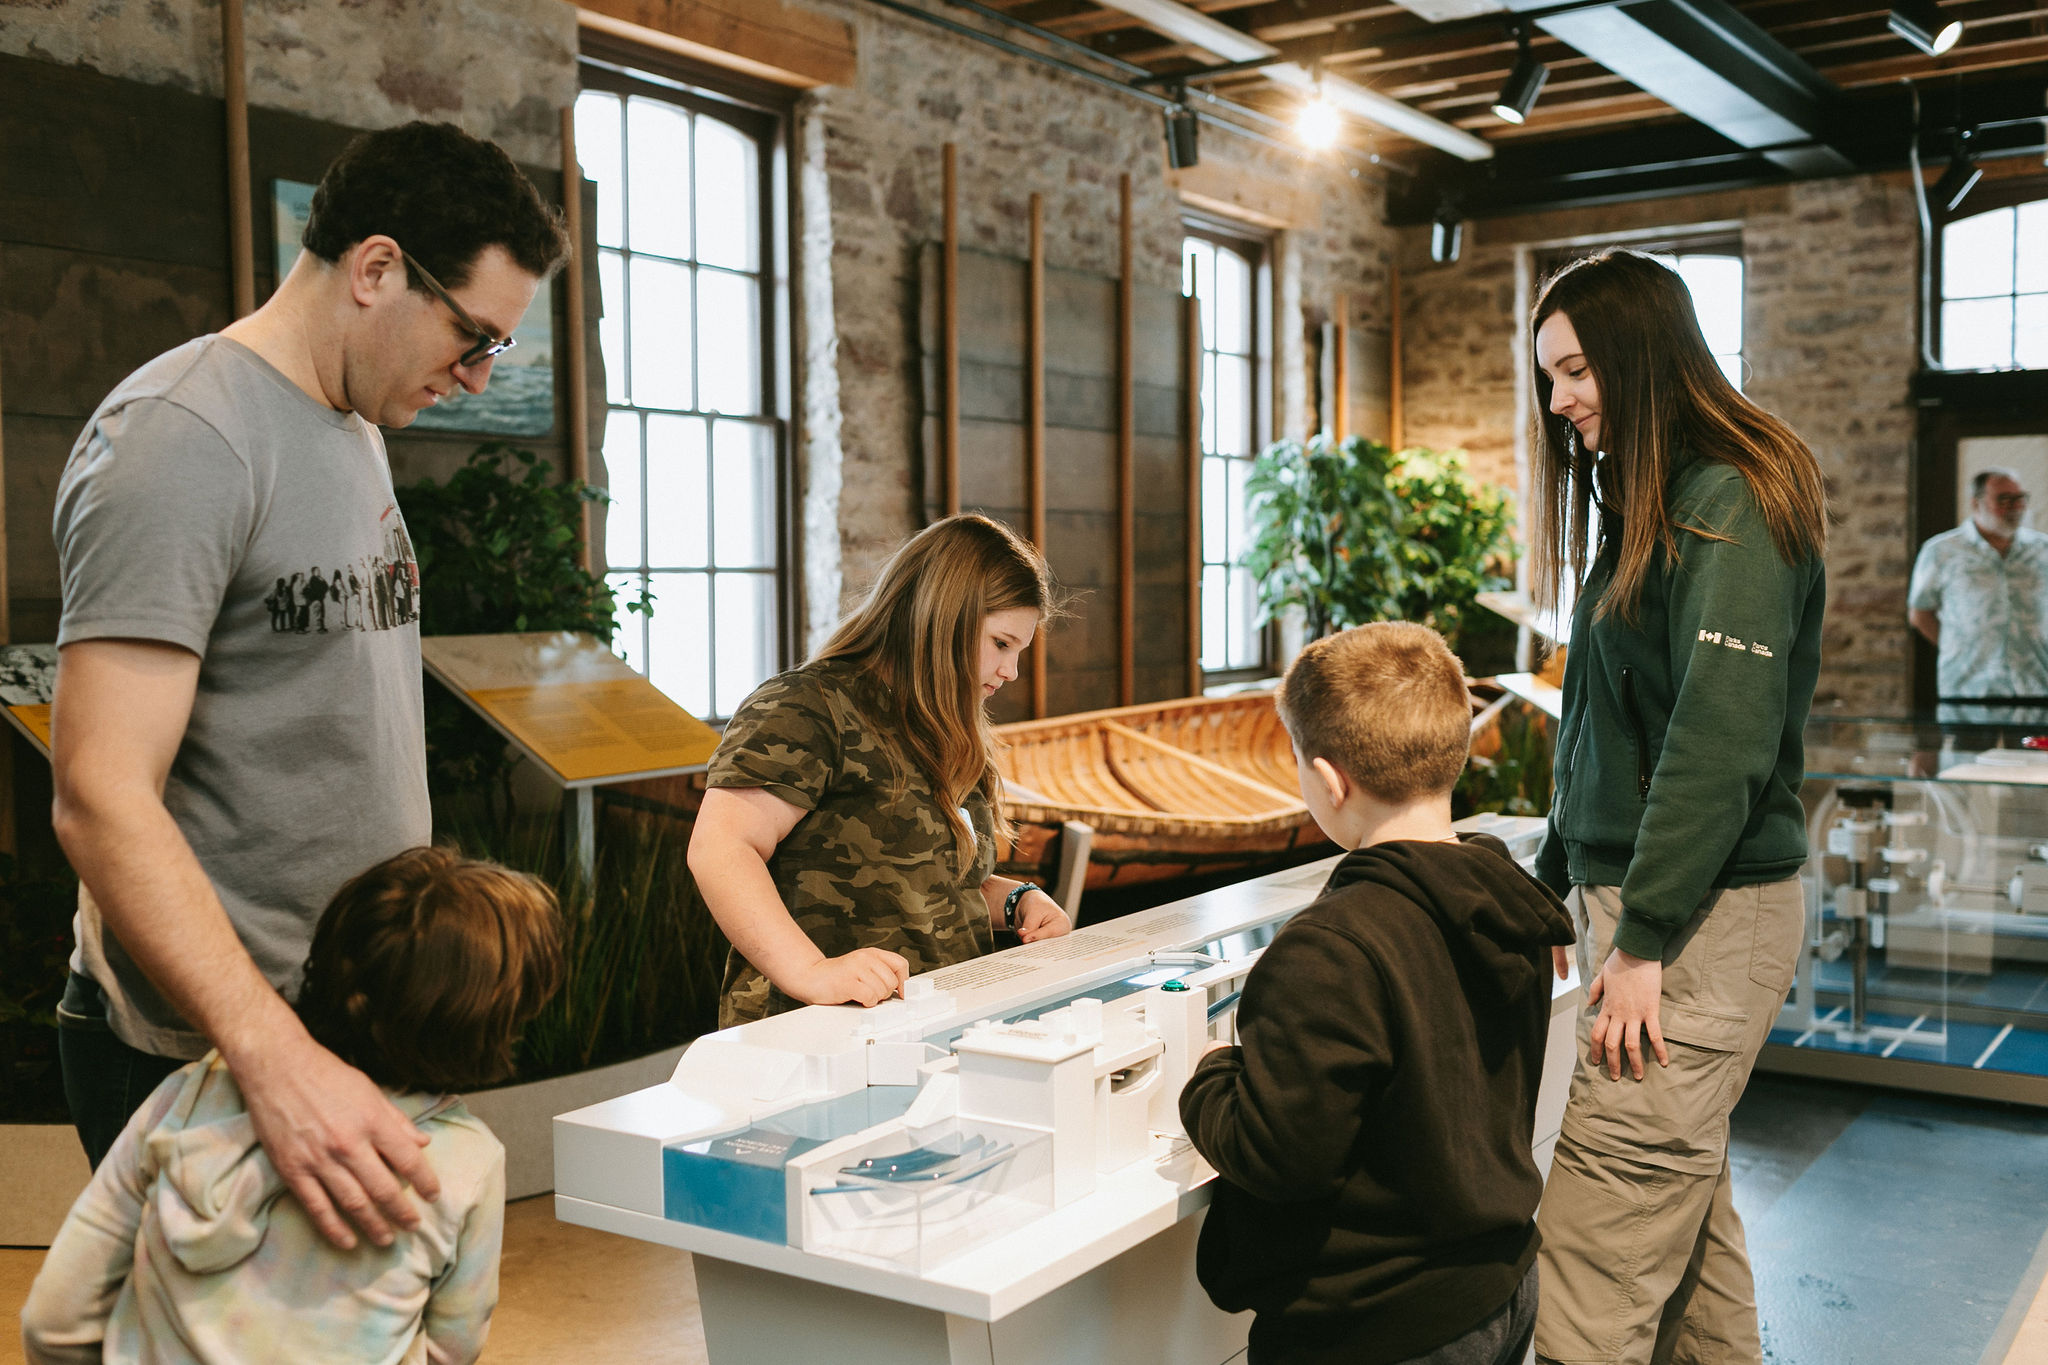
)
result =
(1872, 31)
(1961, 60)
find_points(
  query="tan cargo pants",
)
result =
(1643, 1260)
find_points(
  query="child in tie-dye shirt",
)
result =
(186, 1247)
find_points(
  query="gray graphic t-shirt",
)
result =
(213, 505)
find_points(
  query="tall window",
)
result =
(692, 443)
(1994, 290)
(1225, 274)
(1715, 279)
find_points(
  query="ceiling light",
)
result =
(1920, 23)
(1317, 124)
(1183, 130)
(1525, 83)
(1961, 177)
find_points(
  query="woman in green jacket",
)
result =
(1676, 826)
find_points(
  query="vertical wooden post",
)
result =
(1340, 370)
(1395, 436)
(1126, 456)
(949, 339)
(6, 616)
(1191, 370)
(1034, 422)
(577, 334)
(9, 835)
(235, 86)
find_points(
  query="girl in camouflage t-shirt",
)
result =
(849, 832)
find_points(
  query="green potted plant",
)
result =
(1351, 532)
(497, 551)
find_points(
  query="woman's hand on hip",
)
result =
(1039, 916)
(865, 976)
(1628, 991)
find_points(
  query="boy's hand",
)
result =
(1561, 958)
(1631, 989)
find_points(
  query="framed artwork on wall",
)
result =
(521, 398)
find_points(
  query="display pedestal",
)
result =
(1077, 1040)
(1141, 1308)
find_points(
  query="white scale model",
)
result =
(990, 1171)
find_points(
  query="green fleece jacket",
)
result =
(1680, 757)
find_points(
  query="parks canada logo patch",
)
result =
(1756, 647)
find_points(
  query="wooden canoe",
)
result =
(1171, 789)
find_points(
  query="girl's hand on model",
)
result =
(1039, 916)
(1627, 990)
(865, 976)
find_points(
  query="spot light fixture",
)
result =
(1962, 174)
(1183, 132)
(1920, 23)
(1446, 234)
(1524, 83)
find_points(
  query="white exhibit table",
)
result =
(1098, 1271)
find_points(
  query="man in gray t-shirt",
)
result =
(229, 744)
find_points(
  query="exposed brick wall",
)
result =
(1829, 337)
(499, 68)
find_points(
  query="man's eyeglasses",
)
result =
(487, 344)
(2009, 500)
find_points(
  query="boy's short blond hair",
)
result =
(1386, 705)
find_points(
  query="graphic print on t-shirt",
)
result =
(374, 592)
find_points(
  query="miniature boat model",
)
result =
(1169, 789)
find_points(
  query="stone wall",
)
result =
(499, 68)
(867, 198)
(1829, 337)
(1021, 128)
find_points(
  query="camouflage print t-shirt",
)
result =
(867, 867)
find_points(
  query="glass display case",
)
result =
(1926, 955)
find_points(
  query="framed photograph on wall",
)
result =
(521, 398)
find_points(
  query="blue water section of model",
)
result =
(734, 1182)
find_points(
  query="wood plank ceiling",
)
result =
(1589, 116)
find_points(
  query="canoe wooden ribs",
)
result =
(1171, 789)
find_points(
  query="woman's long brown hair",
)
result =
(919, 632)
(1661, 393)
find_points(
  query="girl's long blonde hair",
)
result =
(919, 632)
(1661, 392)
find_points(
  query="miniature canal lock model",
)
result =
(1926, 956)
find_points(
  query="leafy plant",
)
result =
(1350, 532)
(1509, 772)
(497, 551)
(643, 957)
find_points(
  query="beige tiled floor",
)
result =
(565, 1293)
